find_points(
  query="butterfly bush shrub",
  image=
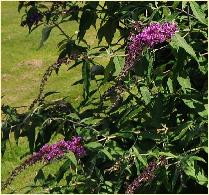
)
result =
(141, 126)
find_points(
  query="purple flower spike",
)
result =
(48, 153)
(150, 36)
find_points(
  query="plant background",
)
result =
(164, 112)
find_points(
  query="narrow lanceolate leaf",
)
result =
(170, 85)
(45, 35)
(93, 145)
(146, 95)
(179, 41)
(183, 129)
(139, 157)
(119, 64)
(105, 151)
(197, 11)
(192, 169)
(185, 83)
(72, 158)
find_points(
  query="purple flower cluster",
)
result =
(146, 176)
(48, 153)
(150, 36)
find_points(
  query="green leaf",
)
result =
(45, 35)
(175, 4)
(197, 158)
(94, 145)
(204, 113)
(88, 18)
(105, 151)
(108, 30)
(197, 11)
(169, 154)
(166, 11)
(31, 136)
(40, 177)
(137, 166)
(139, 157)
(72, 158)
(146, 95)
(183, 129)
(191, 169)
(179, 41)
(64, 167)
(157, 111)
(170, 85)
(184, 3)
(86, 78)
(74, 116)
(119, 64)
(109, 70)
(185, 83)
(175, 177)
(50, 93)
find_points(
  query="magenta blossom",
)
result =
(150, 36)
(48, 153)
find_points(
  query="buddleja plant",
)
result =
(143, 127)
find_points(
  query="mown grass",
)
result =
(23, 66)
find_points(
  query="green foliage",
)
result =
(162, 112)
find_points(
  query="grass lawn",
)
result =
(21, 71)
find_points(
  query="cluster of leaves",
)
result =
(163, 111)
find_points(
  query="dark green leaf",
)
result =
(40, 177)
(108, 30)
(45, 35)
(88, 18)
(139, 157)
(65, 167)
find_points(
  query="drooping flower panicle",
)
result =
(48, 153)
(150, 36)
(146, 176)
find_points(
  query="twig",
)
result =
(61, 30)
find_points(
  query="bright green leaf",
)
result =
(119, 64)
(179, 41)
(146, 95)
(185, 83)
(94, 145)
(197, 11)
(72, 157)
(105, 151)
(139, 157)
(170, 85)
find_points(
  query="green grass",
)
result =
(23, 66)
(21, 75)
